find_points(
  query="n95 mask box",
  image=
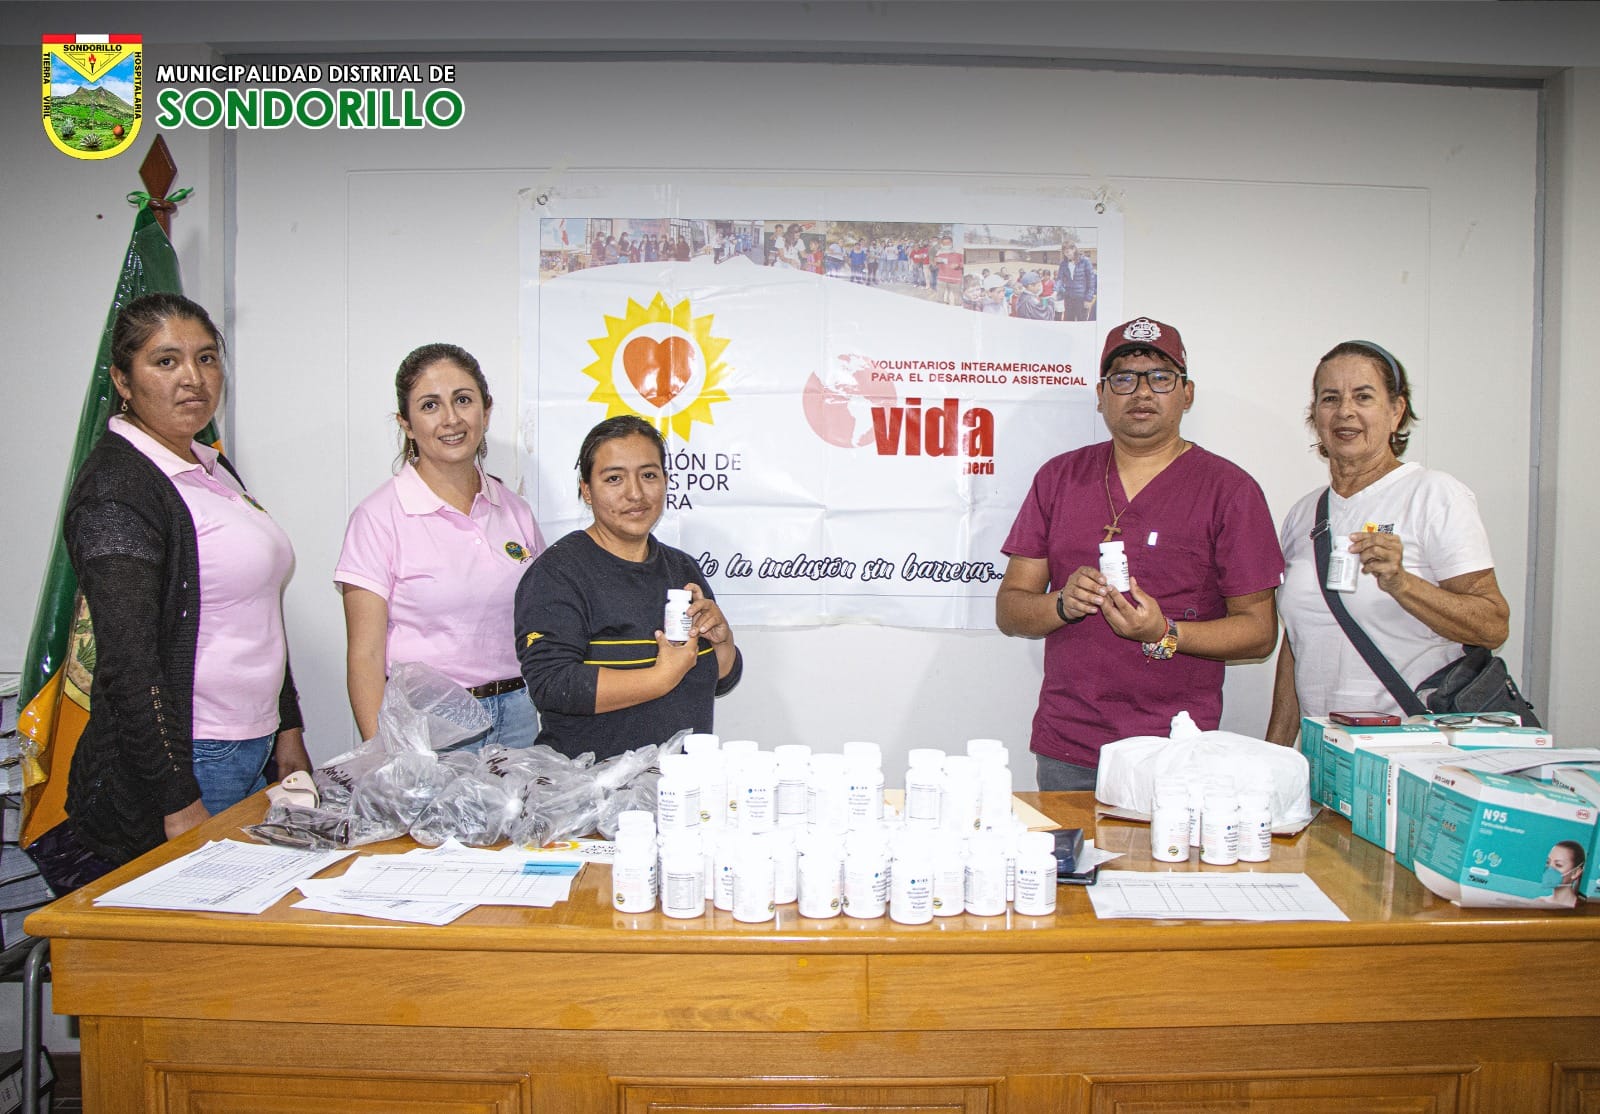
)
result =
(1311, 729)
(1585, 782)
(1339, 746)
(1500, 738)
(1376, 815)
(1501, 840)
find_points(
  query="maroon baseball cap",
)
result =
(1144, 332)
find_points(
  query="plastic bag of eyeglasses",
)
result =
(336, 778)
(559, 808)
(315, 829)
(423, 710)
(520, 765)
(474, 809)
(395, 793)
(640, 796)
(531, 829)
(623, 769)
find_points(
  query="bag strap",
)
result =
(1322, 541)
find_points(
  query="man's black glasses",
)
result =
(1160, 379)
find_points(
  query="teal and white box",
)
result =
(1585, 782)
(1500, 738)
(1416, 778)
(1531, 762)
(1311, 729)
(1375, 812)
(1413, 778)
(1339, 745)
(1487, 839)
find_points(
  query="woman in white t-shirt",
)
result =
(1427, 582)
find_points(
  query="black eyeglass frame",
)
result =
(1477, 719)
(1180, 377)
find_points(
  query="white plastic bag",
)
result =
(423, 710)
(1129, 769)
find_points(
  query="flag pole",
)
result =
(158, 171)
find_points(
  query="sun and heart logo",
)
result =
(659, 369)
(660, 362)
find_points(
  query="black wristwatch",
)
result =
(1062, 611)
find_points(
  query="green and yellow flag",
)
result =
(56, 674)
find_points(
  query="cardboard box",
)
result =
(1339, 745)
(1413, 779)
(1311, 728)
(1500, 738)
(1487, 838)
(1416, 779)
(1585, 782)
(1375, 813)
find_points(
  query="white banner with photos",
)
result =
(855, 401)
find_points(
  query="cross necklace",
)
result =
(1111, 528)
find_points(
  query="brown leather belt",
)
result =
(497, 688)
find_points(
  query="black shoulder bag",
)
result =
(1478, 681)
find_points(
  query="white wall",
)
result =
(1270, 219)
(1571, 348)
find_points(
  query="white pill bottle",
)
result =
(675, 622)
(1114, 565)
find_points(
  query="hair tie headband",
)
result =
(1394, 365)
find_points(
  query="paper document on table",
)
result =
(321, 896)
(465, 876)
(224, 876)
(1211, 897)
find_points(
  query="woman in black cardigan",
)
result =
(183, 574)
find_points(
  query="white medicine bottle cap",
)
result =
(925, 756)
(828, 765)
(1037, 843)
(676, 765)
(869, 753)
(678, 595)
(699, 743)
(1111, 547)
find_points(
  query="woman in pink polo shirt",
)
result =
(431, 560)
(183, 574)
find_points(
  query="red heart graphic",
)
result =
(658, 368)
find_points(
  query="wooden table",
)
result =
(1414, 1005)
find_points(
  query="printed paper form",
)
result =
(1145, 895)
(414, 912)
(520, 881)
(436, 885)
(224, 876)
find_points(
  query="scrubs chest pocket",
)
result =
(1177, 569)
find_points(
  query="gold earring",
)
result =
(124, 407)
(411, 450)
